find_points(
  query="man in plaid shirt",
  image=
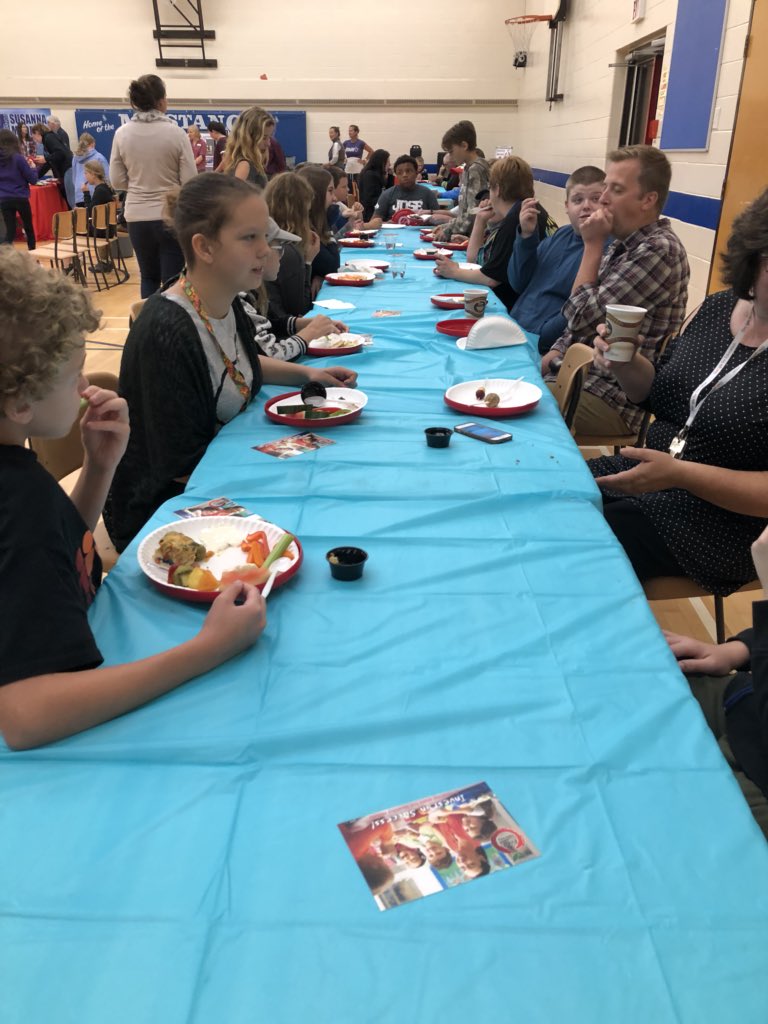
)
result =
(645, 266)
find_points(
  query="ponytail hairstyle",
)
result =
(318, 179)
(290, 197)
(203, 206)
(84, 143)
(146, 92)
(243, 141)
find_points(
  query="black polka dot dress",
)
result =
(711, 544)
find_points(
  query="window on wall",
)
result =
(639, 124)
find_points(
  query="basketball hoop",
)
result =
(521, 31)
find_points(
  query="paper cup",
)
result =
(623, 321)
(475, 303)
(622, 326)
(620, 351)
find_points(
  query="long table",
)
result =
(182, 864)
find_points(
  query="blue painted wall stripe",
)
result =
(699, 210)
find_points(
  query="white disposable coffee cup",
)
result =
(475, 303)
(622, 326)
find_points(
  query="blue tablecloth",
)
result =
(182, 864)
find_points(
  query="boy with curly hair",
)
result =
(50, 682)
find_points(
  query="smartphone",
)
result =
(483, 432)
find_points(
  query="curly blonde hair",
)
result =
(43, 315)
(243, 141)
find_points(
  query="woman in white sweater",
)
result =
(150, 156)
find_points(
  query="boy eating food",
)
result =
(51, 685)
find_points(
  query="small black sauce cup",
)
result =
(438, 437)
(347, 563)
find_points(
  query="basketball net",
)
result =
(521, 31)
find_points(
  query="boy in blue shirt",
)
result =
(542, 273)
(51, 685)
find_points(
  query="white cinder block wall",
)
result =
(585, 125)
(367, 64)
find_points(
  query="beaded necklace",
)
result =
(233, 373)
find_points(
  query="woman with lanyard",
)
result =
(190, 362)
(692, 502)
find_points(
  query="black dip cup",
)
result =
(347, 563)
(438, 437)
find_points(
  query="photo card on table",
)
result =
(436, 843)
(294, 444)
(214, 507)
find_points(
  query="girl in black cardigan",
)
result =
(97, 192)
(190, 362)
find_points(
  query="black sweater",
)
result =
(164, 377)
(290, 294)
(58, 157)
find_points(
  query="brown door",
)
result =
(747, 173)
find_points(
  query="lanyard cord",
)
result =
(696, 402)
(233, 373)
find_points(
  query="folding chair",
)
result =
(116, 257)
(64, 251)
(670, 588)
(83, 231)
(100, 235)
(570, 380)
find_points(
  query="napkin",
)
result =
(334, 304)
(494, 332)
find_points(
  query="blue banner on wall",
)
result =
(291, 131)
(11, 116)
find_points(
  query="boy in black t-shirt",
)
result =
(407, 194)
(50, 685)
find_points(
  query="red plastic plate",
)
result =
(333, 394)
(449, 300)
(456, 328)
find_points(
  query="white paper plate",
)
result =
(515, 396)
(338, 342)
(498, 329)
(334, 396)
(229, 558)
(389, 226)
(371, 266)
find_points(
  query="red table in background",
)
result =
(45, 200)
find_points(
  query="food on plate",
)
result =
(178, 549)
(194, 577)
(313, 412)
(259, 558)
(253, 574)
(480, 394)
(217, 538)
(339, 341)
(256, 547)
(492, 400)
(352, 277)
